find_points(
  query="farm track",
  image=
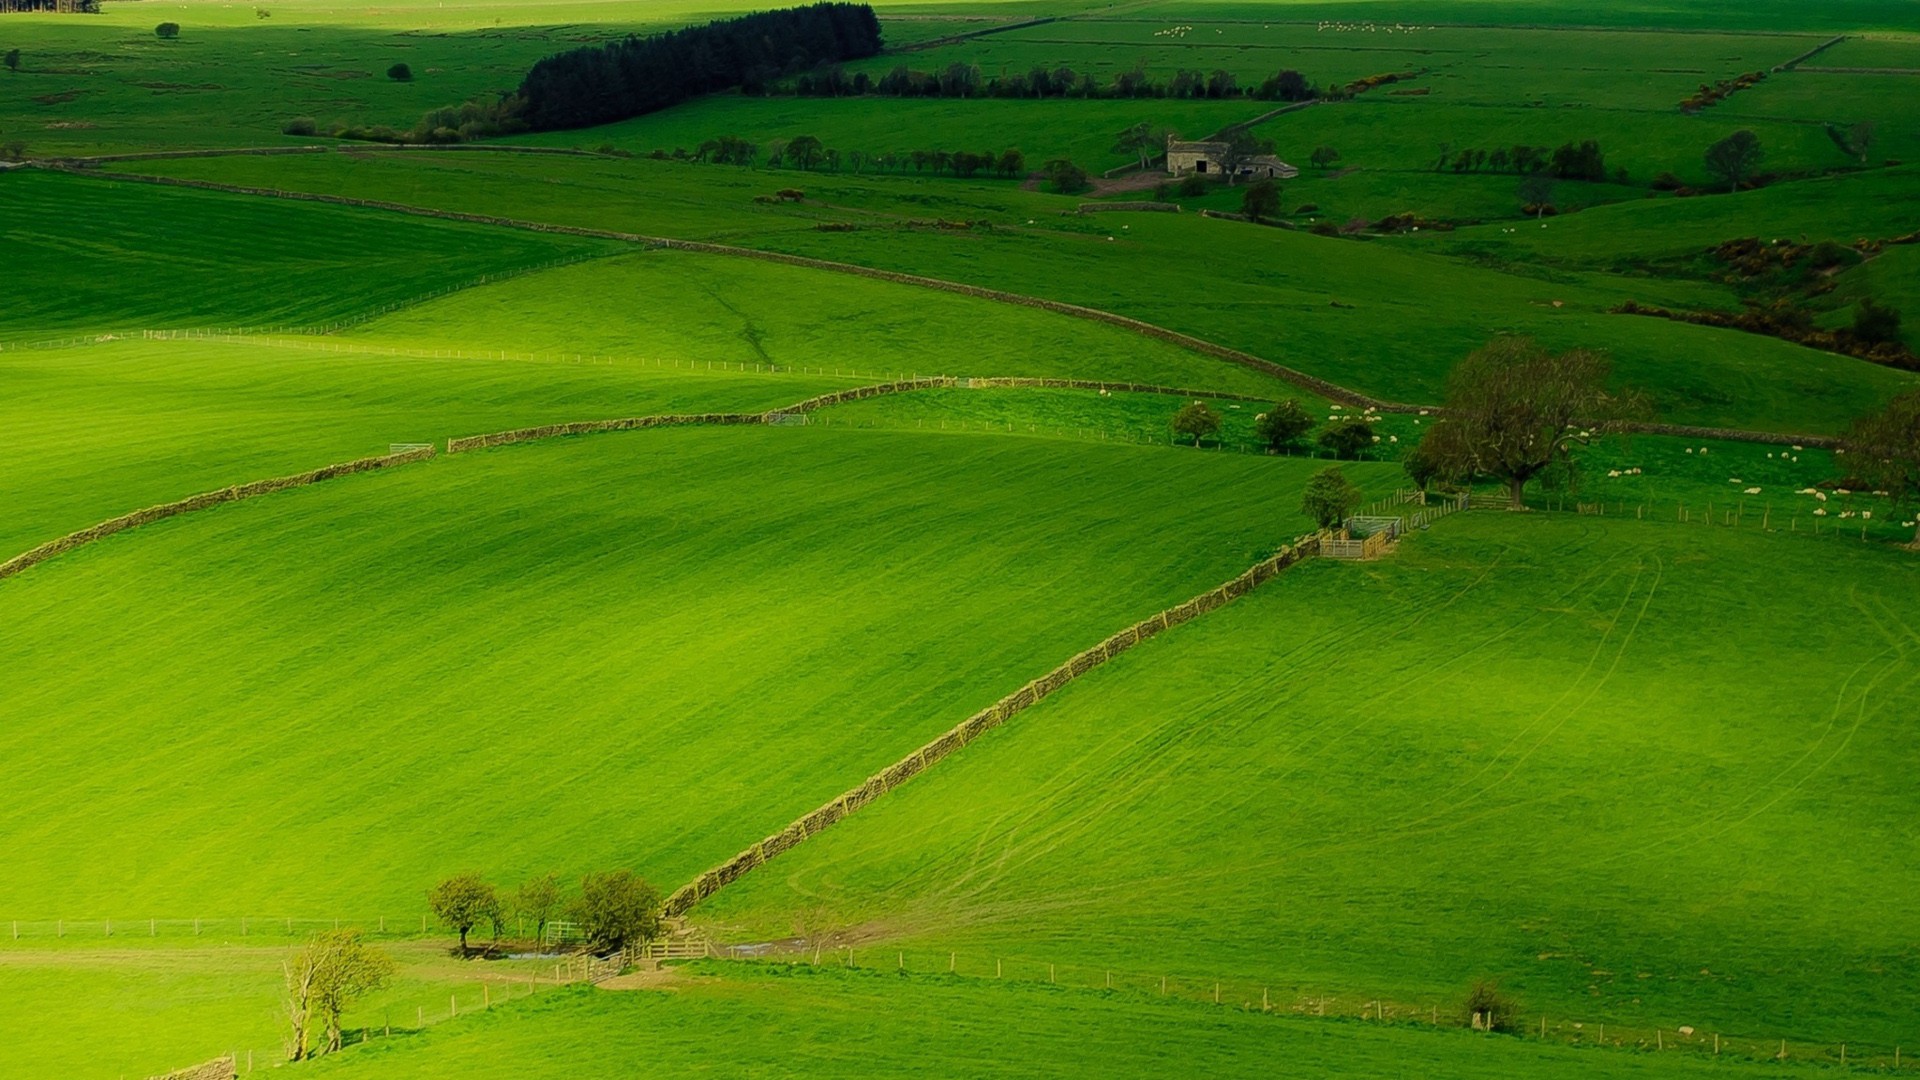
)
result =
(1326, 388)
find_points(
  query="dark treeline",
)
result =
(808, 153)
(967, 81)
(1569, 161)
(601, 84)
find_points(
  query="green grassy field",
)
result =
(120, 258)
(722, 1021)
(1646, 768)
(1575, 755)
(673, 672)
(1407, 316)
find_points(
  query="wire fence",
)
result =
(1855, 515)
(1252, 995)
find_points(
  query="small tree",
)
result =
(805, 152)
(1536, 193)
(615, 908)
(1283, 425)
(1198, 420)
(1329, 497)
(1884, 449)
(537, 900)
(300, 125)
(1239, 148)
(1261, 200)
(1513, 409)
(1423, 468)
(400, 73)
(167, 31)
(1065, 177)
(1324, 156)
(324, 979)
(1874, 324)
(1143, 142)
(1348, 439)
(1734, 158)
(12, 59)
(461, 902)
(1488, 1009)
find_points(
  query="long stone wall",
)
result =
(202, 501)
(980, 723)
(220, 1068)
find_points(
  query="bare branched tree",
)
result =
(324, 979)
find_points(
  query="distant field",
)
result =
(1379, 780)
(115, 257)
(98, 431)
(1273, 293)
(670, 641)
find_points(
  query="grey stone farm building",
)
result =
(1205, 158)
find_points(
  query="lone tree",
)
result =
(1875, 324)
(400, 73)
(1198, 420)
(1490, 1009)
(1734, 158)
(1423, 468)
(1261, 200)
(537, 900)
(461, 902)
(12, 59)
(1283, 425)
(1513, 409)
(1348, 439)
(1329, 497)
(1143, 141)
(167, 31)
(616, 908)
(1536, 193)
(324, 979)
(1324, 157)
(1884, 449)
(1065, 177)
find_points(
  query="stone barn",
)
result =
(1204, 158)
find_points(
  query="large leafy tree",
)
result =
(1513, 409)
(462, 902)
(615, 908)
(1196, 421)
(1883, 448)
(1734, 158)
(1329, 497)
(1283, 425)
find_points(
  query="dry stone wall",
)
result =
(202, 501)
(980, 723)
(221, 1068)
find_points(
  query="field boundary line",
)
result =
(204, 500)
(993, 716)
(1325, 388)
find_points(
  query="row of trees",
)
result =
(603, 83)
(808, 153)
(1281, 428)
(612, 908)
(968, 81)
(1568, 161)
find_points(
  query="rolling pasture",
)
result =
(1384, 317)
(738, 1019)
(650, 561)
(1582, 757)
(1648, 770)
